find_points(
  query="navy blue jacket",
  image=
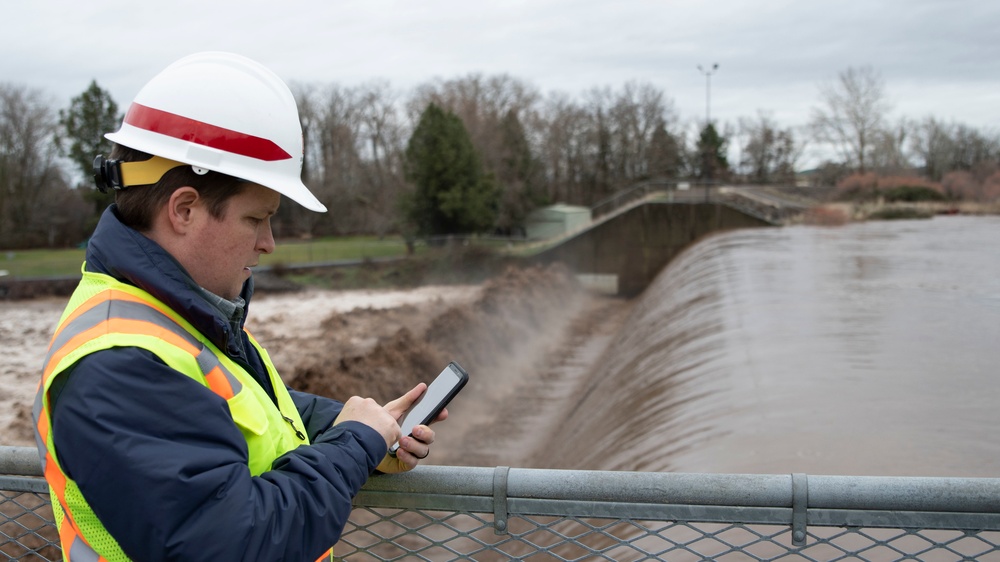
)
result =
(160, 460)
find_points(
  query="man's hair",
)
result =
(137, 205)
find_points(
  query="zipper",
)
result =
(298, 433)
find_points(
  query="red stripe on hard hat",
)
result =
(198, 132)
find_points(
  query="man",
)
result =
(164, 429)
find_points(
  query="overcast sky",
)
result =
(938, 57)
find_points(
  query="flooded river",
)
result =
(866, 349)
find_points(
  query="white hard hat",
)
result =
(226, 113)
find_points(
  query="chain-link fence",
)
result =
(465, 513)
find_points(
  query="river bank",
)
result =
(523, 335)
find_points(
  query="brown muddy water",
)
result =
(866, 349)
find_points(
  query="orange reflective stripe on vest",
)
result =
(121, 314)
(327, 556)
(78, 549)
(117, 311)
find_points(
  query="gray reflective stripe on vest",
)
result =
(130, 310)
(125, 310)
(81, 552)
(36, 412)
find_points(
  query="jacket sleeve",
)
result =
(160, 461)
(317, 412)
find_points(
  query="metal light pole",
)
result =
(708, 89)
(708, 171)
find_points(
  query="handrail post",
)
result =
(800, 506)
(500, 475)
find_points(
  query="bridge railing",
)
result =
(640, 190)
(467, 513)
(734, 196)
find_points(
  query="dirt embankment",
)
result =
(523, 335)
(517, 338)
(25, 329)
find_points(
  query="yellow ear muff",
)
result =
(146, 172)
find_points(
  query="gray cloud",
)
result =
(938, 57)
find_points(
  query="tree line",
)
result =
(476, 154)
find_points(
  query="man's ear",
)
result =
(181, 208)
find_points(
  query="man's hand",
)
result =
(370, 413)
(411, 448)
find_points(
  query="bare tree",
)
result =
(565, 129)
(767, 152)
(382, 128)
(621, 129)
(974, 151)
(482, 103)
(354, 140)
(638, 110)
(944, 148)
(293, 220)
(586, 149)
(608, 141)
(851, 114)
(665, 158)
(933, 146)
(519, 173)
(29, 172)
(889, 148)
(502, 117)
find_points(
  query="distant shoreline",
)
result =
(838, 213)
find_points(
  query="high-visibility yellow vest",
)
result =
(104, 313)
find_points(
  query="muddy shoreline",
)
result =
(524, 336)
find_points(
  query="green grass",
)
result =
(59, 263)
(334, 249)
(64, 263)
(434, 265)
(42, 263)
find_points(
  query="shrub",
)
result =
(913, 193)
(894, 213)
(857, 187)
(889, 182)
(870, 186)
(991, 188)
(960, 185)
(825, 216)
(966, 186)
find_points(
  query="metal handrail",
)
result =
(830, 499)
(631, 193)
(22, 461)
(795, 502)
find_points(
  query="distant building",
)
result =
(555, 220)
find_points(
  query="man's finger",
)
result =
(399, 406)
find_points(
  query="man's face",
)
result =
(225, 249)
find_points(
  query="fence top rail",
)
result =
(20, 461)
(936, 494)
(979, 495)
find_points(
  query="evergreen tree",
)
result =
(665, 159)
(452, 194)
(518, 173)
(90, 115)
(712, 161)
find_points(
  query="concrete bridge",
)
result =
(635, 234)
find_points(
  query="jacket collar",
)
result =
(130, 257)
